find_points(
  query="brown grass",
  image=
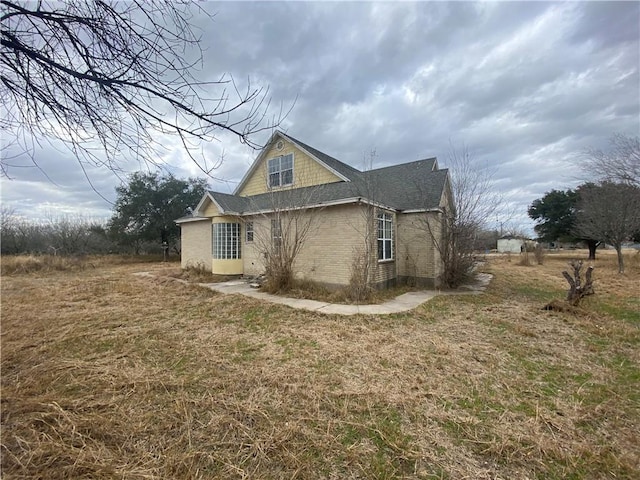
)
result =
(25, 264)
(107, 375)
(312, 290)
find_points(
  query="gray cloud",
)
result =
(526, 86)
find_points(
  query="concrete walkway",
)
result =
(403, 303)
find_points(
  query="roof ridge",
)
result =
(406, 163)
(321, 155)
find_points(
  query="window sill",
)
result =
(391, 260)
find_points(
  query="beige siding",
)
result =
(209, 209)
(416, 254)
(328, 254)
(306, 171)
(328, 250)
(252, 258)
(195, 238)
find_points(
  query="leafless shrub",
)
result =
(525, 261)
(25, 264)
(474, 202)
(66, 235)
(360, 289)
(539, 254)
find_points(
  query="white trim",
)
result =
(335, 172)
(263, 153)
(332, 203)
(188, 220)
(293, 172)
(385, 218)
(248, 230)
(423, 210)
(210, 197)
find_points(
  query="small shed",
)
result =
(510, 244)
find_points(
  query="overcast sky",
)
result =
(525, 86)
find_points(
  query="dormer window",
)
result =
(281, 171)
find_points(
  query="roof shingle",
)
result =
(407, 186)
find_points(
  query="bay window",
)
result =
(226, 241)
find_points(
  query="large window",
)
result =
(385, 236)
(281, 171)
(226, 241)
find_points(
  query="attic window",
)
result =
(281, 171)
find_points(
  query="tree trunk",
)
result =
(592, 244)
(576, 289)
(620, 258)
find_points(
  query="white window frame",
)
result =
(225, 241)
(248, 232)
(276, 233)
(385, 236)
(274, 166)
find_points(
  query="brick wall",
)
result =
(327, 252)
(418, 259)
(195, 238)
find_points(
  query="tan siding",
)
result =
(252, 258)
(195, 238)
(328, 250)
(306, 171)
(417, 256)
(328, 254)
(210, 209)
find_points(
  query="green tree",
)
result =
(555, 214)
(147, 206)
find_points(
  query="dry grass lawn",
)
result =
(107, 375)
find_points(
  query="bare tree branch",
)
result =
(610, 212)
(114, 75)
(620, 164)
(475, 203)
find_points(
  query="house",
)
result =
(334, 217)
(510, 244)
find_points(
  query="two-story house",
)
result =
(391, 215)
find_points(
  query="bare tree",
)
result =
(289, 217)
(67, 235)
(364, 255)
(611, 212)
(475, 203)
(114, 77)
(619, 164)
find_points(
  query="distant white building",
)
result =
(510, 244)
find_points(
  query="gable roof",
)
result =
(335, 165)
(341, 170)
(417, 185)
(409, 186)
